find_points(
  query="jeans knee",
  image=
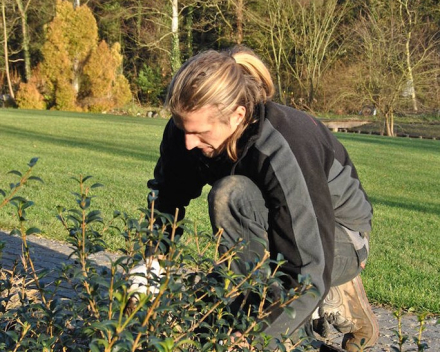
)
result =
(237, 206)
(228, 191)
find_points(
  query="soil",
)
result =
(410, 326)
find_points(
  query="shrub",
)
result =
(121, 91)
(69, 39)
(65, 97)
(105, 86)
(28, 97)
(190, 310)
(78, 72)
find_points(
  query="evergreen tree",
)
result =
(78, 73)
(105, 86)
(70, 38)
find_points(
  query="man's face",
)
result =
(205, 131)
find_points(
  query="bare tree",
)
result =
(408, 20)
(239, 15)
(23, 9)
(175, 41)
(313, 32)
(155, 27)
(393, 63)
(301, 41)
(274, 42)
(6, 49)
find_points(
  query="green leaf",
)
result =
(168, 343)
(86, 178)
(96, 185)
(105, 325)
(15, 172)
(60, 209)
(93, 347)
(15, 232)
(32, 231)
(33, 162)
(28, 204)
(3, 193)
(35, 178)
(94, 215)
(19, 199)
(13, 335)
(75, 212)
(76, 179)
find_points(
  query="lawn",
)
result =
(399, 174)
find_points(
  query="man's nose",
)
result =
(191, 141)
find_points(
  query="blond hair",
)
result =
(225, 80)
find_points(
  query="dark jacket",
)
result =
(308, 182)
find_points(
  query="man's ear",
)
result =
(238, 115)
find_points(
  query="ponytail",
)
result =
(224, 80)
(256, 69)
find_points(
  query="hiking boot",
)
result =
(346, 307)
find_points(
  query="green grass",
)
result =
(119, 152)
(400, 175)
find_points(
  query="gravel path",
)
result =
(49, 254)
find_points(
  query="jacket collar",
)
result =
(251, 133)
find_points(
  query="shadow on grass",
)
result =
(126, 150)
(426, 207)
(423, 145)
(110, 118)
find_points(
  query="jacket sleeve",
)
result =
(176, 175)
(293, 177)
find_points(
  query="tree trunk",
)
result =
(311, 93)
(280, 87)
(239, 14)
(189, 31)
(389, 120)
(5, 47)
(25, 40)
(175, 49)
(411, 87)
(76, 73)
(408, 26)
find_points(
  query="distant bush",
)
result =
(104, 85)
(78, 73)
(121, 91)
(65, 97)
(28, 97)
